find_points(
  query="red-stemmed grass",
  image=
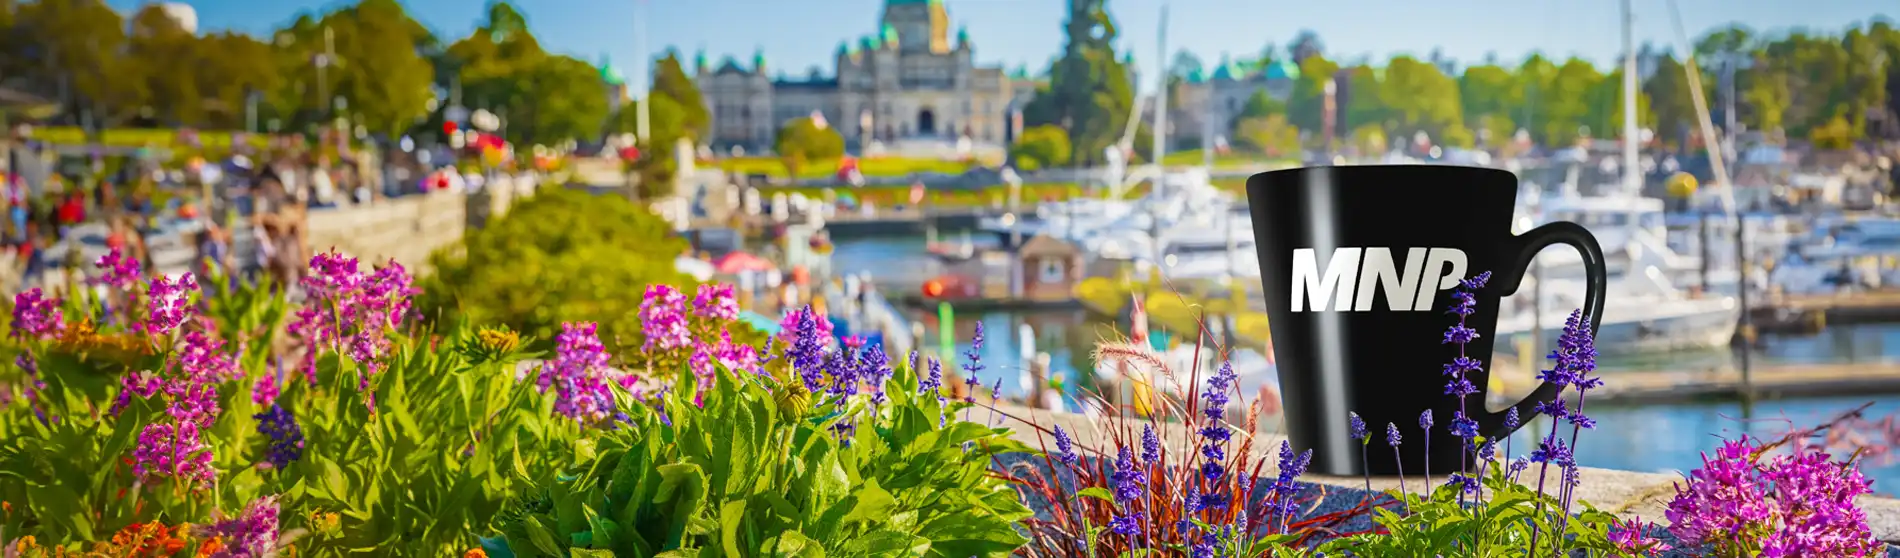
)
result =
(1077, 500)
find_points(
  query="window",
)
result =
(1052, 271)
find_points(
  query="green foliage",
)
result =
(749, 474)
(1448, 523)
(1269, 134)
(1089, 91)
(1041, 147)
(563, 255)
(802, 140)
(547, 97)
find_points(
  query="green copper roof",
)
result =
(963, 34)
(1284, 69)
(699, 59)
(610, 74)
(758, 59)
(1195, 76)
(869, 43)
(1226, 68)
(890, 34)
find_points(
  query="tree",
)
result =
(1270, 134)
(381, 73)
(564, 100)
(670, 79)
(804, 139)
(562, 255)
(1089, 91)
(78, 44)
(1305, 45)
(1260, 104)
(1605, 117)
(1491, 94)
(1418, 97)
(1041, 147)
(1670, 100)
(235, 67)
(1306, 108)
(168, 59)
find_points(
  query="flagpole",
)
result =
(641, 130)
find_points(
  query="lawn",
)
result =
(870, 166)
(143, 137)
(1230, 160)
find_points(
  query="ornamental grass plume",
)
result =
(1133, 495)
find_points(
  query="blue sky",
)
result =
(798, 34)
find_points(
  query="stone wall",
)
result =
(407, 229)
(1629, 494)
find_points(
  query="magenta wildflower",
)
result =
(173, 449)
(1632, 536)
(352, 313)
(578, 375)
(168, 303)
(251, 534)
(663, 318)
(117, 270)
(35, 316)
(716, 301)
(735, 357)
(1793, 505)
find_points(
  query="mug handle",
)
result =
(1524, 248)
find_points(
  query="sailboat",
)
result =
(1644, 310)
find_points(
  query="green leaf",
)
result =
(1096, 492)
(590, 553)
(730, 516)
(888, 543)
(682, 490)
(793, 544)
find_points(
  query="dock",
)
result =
(1767, 381)
(1807, 313)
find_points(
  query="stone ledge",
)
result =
(1626, 493)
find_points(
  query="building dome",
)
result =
(1283, 69)
(610, 74)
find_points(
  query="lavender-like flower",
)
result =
(807, 351)
(1065, 447)
(1393, 439)
(1425, 424)
(1130, 483)
(1280, 510)
(1150, 445)
(1357, 426)
(1573, 360)
(1215, 433)
(286, 437)
(933, 381)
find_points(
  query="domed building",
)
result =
(1207, 105)
(909, 84)
(614, 83)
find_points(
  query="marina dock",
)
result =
(1812, 312)
(1765, 381)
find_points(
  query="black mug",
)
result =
(1359, 264)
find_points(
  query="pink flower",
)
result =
(578, 375)
(735, 357)
(716, 301)
(663, 318)
(1632, 536)
(250, 534)
(117, 270)
(35, 316)
(1793, 505)
(175, 450)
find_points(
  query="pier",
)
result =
(1764, 381)
(1812, 312)
(850, 224)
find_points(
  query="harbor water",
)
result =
(1654, 438)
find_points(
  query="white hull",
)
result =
(1685, 325)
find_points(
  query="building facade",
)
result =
(910, 83)
(1205, 107)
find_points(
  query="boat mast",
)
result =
(1632, 167)
(1161, 95)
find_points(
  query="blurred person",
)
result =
(280, 218)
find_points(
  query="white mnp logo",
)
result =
(1344, 277)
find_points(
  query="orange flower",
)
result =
(475, 553)
(211, 546)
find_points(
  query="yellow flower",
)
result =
(499, 340)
